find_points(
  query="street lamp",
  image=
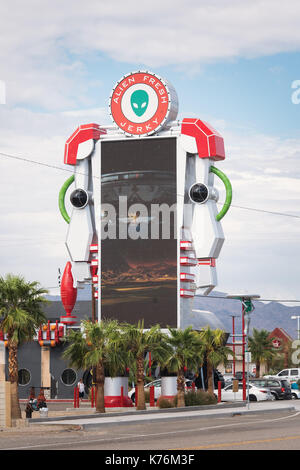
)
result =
(297, 317)
(247, 308)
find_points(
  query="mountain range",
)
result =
(266, 316)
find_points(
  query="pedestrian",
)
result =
(29, 409)
(81, 389)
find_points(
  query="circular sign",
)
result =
(276, 343)
(142, 103)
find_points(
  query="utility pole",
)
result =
(93, 304)
(233, 345)
(297, 317)
(247, 308)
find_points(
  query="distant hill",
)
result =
(83, 293)
(267, 316)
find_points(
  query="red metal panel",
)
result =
(210, 143)
(82, 134)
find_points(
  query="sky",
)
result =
(234, 64)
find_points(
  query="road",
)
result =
(278, 430)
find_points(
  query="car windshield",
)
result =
(273, 383)
(259, 383)
(156, 384)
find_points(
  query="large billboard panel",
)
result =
(138, 248)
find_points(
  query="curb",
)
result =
(223, 410)
(90, 426)
(136, 413)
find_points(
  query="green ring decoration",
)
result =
(61, 198)
(228, 188)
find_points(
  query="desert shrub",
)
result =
(197, 397)
(164, 402)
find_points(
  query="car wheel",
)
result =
(275, 396)
(252, 398)
(294, 396)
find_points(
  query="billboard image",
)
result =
(138, 246)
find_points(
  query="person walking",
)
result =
(81, 389)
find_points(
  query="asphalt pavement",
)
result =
(264, 426)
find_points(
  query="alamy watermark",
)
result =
(296, 94)
(139, 221)
(2, 92)
(295, 358)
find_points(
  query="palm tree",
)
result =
(21, 315)
(261, 347)
(97, 347)
(185, 352)
(214, 351)
(138, 342)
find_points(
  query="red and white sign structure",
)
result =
(142, 103)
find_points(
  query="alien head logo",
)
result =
(139, 101)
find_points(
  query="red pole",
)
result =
(233, 345)
(219, 392)
(122, 395)
(243, 349)
(92, 397)
(152, 398)
(76, 397)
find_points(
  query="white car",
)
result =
(292, 375)
(295, 394)
(255, 393)
(157, 388)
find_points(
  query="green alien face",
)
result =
(139, 102)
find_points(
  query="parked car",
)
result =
(295, 394)
(157, 388)
(255, 393)
(202, 374)
(292, 375)
(218, 377)
(239, 375)
(228, 378)
(280, 388)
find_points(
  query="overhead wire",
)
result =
(253, 300)
(47, 165)
(55, 167)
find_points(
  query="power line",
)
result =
(28, 160)
(253, 300)
(36, 162)
(265, 211)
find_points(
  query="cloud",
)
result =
(45, 49)
(44, 46)
(33, 232)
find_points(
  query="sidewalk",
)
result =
(125, 417)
